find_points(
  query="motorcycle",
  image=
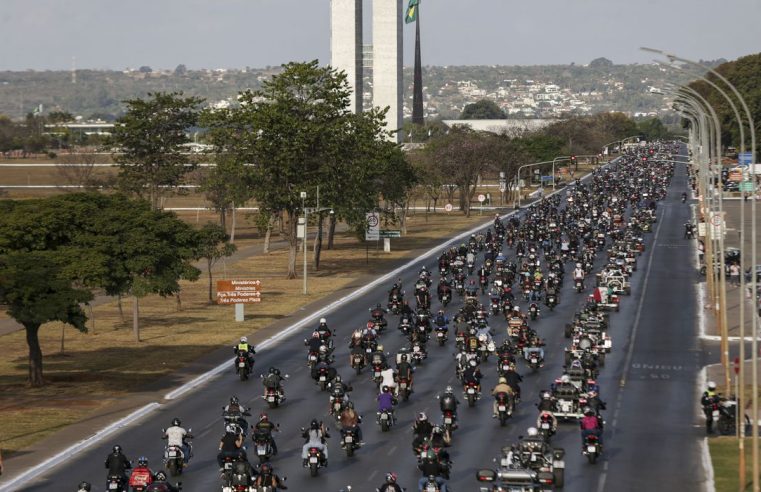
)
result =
(442, 335)
(431, 485)
(385, 420)
(244, 368)
(449, 421)
(545, 427)
(262, 446)
(314, 461)
(534, 359)
(394, 306)
(592, 448)
(483, 281)
(357, 362)
(533, 311)
(377, 369)
(115, 483)
(578, 285)
(174, 458)
(446, 299)
(404, 388)
(349, 441)
(418, 353)
(272, 397)
(495, 306)
(504, 408)
(322, 378)
(336, 406)
(551, 301)
(471, 393)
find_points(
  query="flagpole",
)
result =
(417, 89)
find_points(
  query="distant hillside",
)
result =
(521, 90)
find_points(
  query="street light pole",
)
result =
(304, 241)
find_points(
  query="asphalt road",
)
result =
(652, 429)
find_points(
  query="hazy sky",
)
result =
(46, 34)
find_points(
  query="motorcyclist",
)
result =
(396, 291)
(443, 289)
(441, 320)
(247, 349)
(404, 370)
(448, 402)
(230, 446)
(350, 421)
(386, 401)
(423, 298)
(331, 371)
(709, 398)
(378, 313)
(141, 475)
(176, 435)
(161, 484)
(533, 442)
(323, 330)
(267, 478)
(422, 429)
(379, 357)
(431, 468)
(472, 374)
(273, 380)
(314, 343)
(235, 409)
(501, 388)
(118, 464)
(578, 273)
(390, 484)
(315, 438)
(594, 402)
(546, 403)
(406, 310)
(513, 379)
(265, 427)
(388, 379)
(590, 425)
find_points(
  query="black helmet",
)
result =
(272, 370)
(142, 461)
(176, 422)
(117, 449)
(161, 476)
(314, 424)
(233, 400)
(84, 487)
(265, 469)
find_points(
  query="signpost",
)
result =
(448, 207)
(389, 233)
(373, 226)
(746, 186)
(239, 292)
(481, 200)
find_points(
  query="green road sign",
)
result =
(390, 233)
(746, 186)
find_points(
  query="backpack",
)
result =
(140, 477)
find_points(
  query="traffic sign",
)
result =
(390, 233)
(373, 226)
(448, 207)
(239, 291)
(716, 219)
(482, 198)
(745, 158)
(746, 186)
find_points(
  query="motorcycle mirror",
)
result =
(287, 376)
(163, 431)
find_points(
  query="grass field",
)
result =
(105, 364)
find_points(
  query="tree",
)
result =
(150, 137)
(463, 156)
(60, 117)
(483, 110)
(601, 62)
(212, 246)
(145, 69)
(180, 70)
(79, 170)
(36, 288)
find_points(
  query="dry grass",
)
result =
(96, 363)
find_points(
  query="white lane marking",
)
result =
(633, 338)
(372, 475)
(391, 451)
(78, 447)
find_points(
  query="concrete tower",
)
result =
(346, 45)
(388, 88)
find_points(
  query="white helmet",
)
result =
(243, 339)
(323, 320)
(578, 265)
(517, 309)
(532, 431)
(565, 378)
(711, 385)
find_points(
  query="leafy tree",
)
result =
(212, 246)
(145, 69)
(150, 137)
(181, 70)
(601, 62)
(483, 110)
(299, 134)
(652, 129)
(60, 117)
(36, 288)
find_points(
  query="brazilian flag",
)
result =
(412, 8)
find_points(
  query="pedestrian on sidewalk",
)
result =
(734, 274)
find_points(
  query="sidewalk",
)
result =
(732, 240)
